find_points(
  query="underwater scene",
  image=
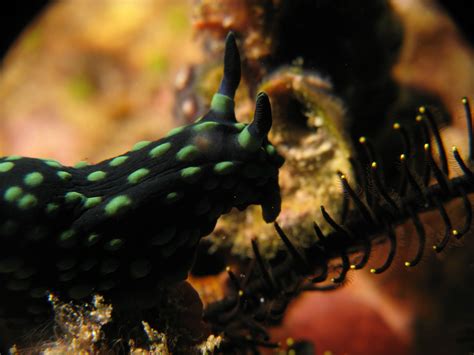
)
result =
(237, 177)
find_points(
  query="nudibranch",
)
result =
(129, 224)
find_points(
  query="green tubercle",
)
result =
(117, 204)
(73, 196)
(222, 103)
(13, 193)
(92, 201)
(205, 126)
(140, 145)
(118, 160)
(96, 175)
(270, 149)
(53, 163)
(175, 131)
(137, 175)
(4, 167)
(172, 197)
(64, 175)
(13, 157)
(159, 150)
(113, 245)
(247, 141)
(33, 179)
(224, 167)
(187, 153)
(81, 164)
(51, 207)
(190, 174)
(27, 201)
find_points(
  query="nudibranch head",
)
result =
(238, 150)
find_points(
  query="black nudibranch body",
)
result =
(132, 223)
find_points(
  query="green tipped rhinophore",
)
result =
(222, 103)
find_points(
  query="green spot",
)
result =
(66, 235)
(222, 103)
(92, 239)
(118, 160)
(117, 204)
(175, 131)
(172, 197)
(159, 150)
(137, 175)
(34, 179)
(64, 175)
(51, 207)
(74, 196)
(92, 201)
(140, 145)
(205, 126)
(27, 201)
(96, 176)
(81, 164)
(190, 174)
(224, 167)
(13, 193)
(270, 149)
(187, 153)
(4, 167)
(13, 157)
(247, 141)
(53, 163)
(113, 245)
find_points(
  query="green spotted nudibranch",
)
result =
(132, 223)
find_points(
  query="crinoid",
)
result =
(424, 184)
